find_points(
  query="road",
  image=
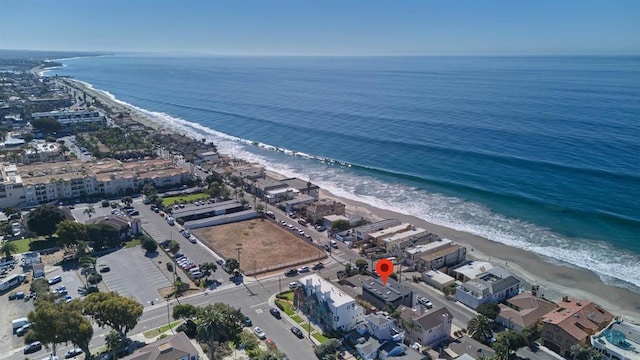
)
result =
(251, 299)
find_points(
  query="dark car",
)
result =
(318, 266)
(33, 347)
(275, 312)
(297, 332)
(247, 322)
(104, 269)
(291, 272)
(326, 247)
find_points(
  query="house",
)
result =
(367, 348)
(362, 232)
(523, 311)
(438, 279)
(495, 285)
(573, 322)
(127, 227)
(470, 270)
(270, 190)
(426, 327)
(298, 203)
(174, 347)
(466, 345)
(381, 327)
(326, 305)
(620, 341)
(377, 236)
(303, 187)
(381, 296)
(323, 207)
(397, 351)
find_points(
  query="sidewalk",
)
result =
(272, 303)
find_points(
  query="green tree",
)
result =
(110, 309)
(347, 268)
(9, 210)
(490, 310)
(362, 265)
(218, 322)
(113, 341)
(184, 311)
(89, 211)
(580, 352)
(149, 244)
(7, 248)
(46, 125)
(127, 200)
(507, 342)
(328, 350)
(340, 225)
(71, 233)
(82, 331)
(174, 246)
(60, 323)
(103, 236)
(232, 264)
(480, 328)
(44, 219)
(149, 191)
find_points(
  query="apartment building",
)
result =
(326, 305)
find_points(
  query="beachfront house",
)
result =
(426, 327)
(362, 232)
(327, 306)
(573, 322)
(618, 341)
(523, 311)
(323, 207)
(381, 295)
(495, 285)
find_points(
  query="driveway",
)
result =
(134, 274)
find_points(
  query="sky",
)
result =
(325, 27)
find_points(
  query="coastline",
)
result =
(555, 281)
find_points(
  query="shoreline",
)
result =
(554, 280)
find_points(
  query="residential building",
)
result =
(40, 151)
(573, 323)
(438, 279)
(470, 270)
(174, 347)
(397, 351)
(362, 232)
(72, 120)
(270, 190)
(523, 311)
(206, 156)
(326, 305)
(618, 341)
(381, 326)
(303, 187)
(323, 207)
(127, 227)
(466, 345)
(298, 203)
(377, 236)
(394, 243)
(382, 296)
(426, 327)
(495, 285)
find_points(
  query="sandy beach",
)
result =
(555, 281)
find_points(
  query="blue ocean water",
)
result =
(540, 153)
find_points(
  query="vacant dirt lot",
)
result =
(265, 245)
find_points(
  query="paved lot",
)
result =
(134, 274)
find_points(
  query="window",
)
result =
(568, 344)
(549, 335)
(559, 338)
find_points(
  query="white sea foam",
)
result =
(614, 266)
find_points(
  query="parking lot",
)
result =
(134, 274)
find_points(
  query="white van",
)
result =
(195, 269)
(18, 323)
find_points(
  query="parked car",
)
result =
(55, 280)
(275, 312)
(425, 302)
(318, 266)
(104, 269)
(304, 269)
(186, 233)
(33, 347)
(247, 321)
(297, 332)
(60, 290)
(193, 239)
(291, 272)
(259, 333)
(23, 329)
(321, 228)
(73, 353)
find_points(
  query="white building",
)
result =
(495, 285)
(71, 119)
(618, 341)
(326, 305)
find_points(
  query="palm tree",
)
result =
(113, 340)
(89, 211)
(8, 248)
(208, 328)
(580, 352)
(481, 328)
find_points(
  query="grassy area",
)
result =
(40, 243)
(323, 339)
(186, 198)
(133, 243)
(155, 332)
(288, 295)
(288, 308)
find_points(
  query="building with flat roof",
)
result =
(362, 232)
(442, 257)
(326, 305)
(74, 119)
(573, 323)
(381, 296)
(324, 207)
(438, 279)
(618, 341)
(495, 285)
(192, 213)
(470, 270)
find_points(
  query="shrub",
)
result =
(105, 203)
(94, 279)
(169, 267)
(279, 305)
(149, 244)
(490, 310)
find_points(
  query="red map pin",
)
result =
(384, 268)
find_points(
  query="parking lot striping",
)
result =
(256, 305)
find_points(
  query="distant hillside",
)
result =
(46, 55)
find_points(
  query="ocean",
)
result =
(541, 153)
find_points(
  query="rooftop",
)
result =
(377, 226)
(390, 292)
(473, 268)
(174, 347)
(318, 284)
(578, 317)
(525, 309)
(622, 338)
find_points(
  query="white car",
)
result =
(192, 239)
(304, 269)
(425, 302)
(259, 333)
